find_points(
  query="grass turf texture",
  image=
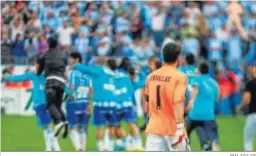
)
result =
(21, 133)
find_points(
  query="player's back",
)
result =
(203, 107)
(104, 85)
(124, 90)
(81, 85)
(161, 86)
(190, 71)
(124, 86)
(102, 81)
(38, 89)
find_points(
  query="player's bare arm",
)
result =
(178, 97)
(191, 101)
(245, 101)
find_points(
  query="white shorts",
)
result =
(164, 143)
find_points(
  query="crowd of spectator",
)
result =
(221, 32)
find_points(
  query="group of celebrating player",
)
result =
(169, 95)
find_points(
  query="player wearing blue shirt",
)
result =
(191, 71)
(104, 112)
(126, 109)
(78, 107)
(205, 93)
(40, 107)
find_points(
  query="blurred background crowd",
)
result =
(136, 30)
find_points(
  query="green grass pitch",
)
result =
(21, 133)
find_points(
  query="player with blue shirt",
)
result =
(191, 71)
(126, 109)
(40, 107)
(189, 68)
(104, 111)
(202, 114)
(78, 107)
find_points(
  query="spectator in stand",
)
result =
(6, 44)
(64, 16)
(158, 23)
(82, 46)
(203, 34)
(139, 53)
(31, 47)
(64, 35)
(215, 21)
(210, 8)
(51, 20)
(222, 33)
(122, 23)
(234, 48)
(35, 21)
(137, 27)
(126, 44)
(103, 44)
(18, 50)
(17, 27)
(92, 14)
(193, 12)
(43, 45)
(106, 14)
(215, 48)
(48, 32)
(190, 44)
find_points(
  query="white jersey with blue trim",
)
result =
(81, 84)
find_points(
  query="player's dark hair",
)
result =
(158, 64)
(125, 64)
(190, 58)
(131, 71)
(76, 55)
(204, 68)
(112, 64)
(171, 52)
(52, 42)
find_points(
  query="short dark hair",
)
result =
(190, 58)
(125, 64)
(158, 64)
(131, 71)
(52, 42)
(76, 55)
(112, 64)
(204, 68)
(171, 52)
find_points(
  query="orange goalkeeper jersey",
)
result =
(164, 88)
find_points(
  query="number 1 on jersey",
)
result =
(158, 98)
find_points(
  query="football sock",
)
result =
(55, 143)
(100, 144)
(106, 139)
(47, 138)
(75, 139)
(111, 144)
(128, 142)
(83, 135)
(137, 143)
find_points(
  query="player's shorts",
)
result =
(77, 114)
(43, 116)
(104, 113)
(128, 114)
(165, 143)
